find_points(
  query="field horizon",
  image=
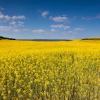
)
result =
(9, 38)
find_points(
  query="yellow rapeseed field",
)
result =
(66, 70)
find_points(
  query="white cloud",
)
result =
(16, 23)
(12, 20)
(87, 18)
(98, 16)
(12, 23)
(38, 31)
(60, 26)
(57, 25)
(10, 29)
(21, 23)
(53, 30)
(44, 13)
(91, 17)
(59, 18)
(75, 31)
(45, 31)
(78, 29)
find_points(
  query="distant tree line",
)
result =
(91, 39)
(1, 37)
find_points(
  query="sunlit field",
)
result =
(65, 70)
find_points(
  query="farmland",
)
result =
(64, 70)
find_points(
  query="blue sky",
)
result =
(50, 19)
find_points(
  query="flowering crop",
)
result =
(49, 70)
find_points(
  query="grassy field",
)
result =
(65, 70)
